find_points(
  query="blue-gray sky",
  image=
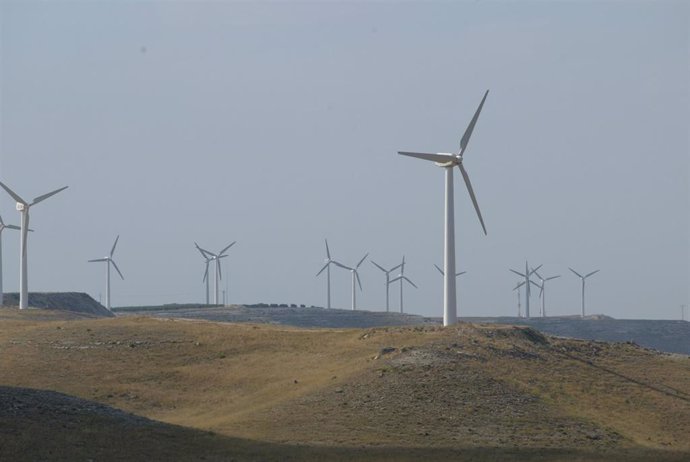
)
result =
(277, 125)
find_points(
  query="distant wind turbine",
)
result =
(355, 275)
(448, 161)
(542, 292)
(23, 207)
(329, 261)
(527, 283)
(3, 227)
(206, 279)
(109, 260)
(388, 280)
(517, 287)
(582, 278)
(218, 273)
(402, 278)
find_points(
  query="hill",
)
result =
(76, 302)
(662, 335)
(469, 392)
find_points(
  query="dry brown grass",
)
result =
(484, 390)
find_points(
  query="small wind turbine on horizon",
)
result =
(542, 292)
(3, 227)
(109, 260)
(329, 261)
(402, 278)
(355, 275)
(218, 272)
(388, 280)
(448, 161)
(582, 278)
(23, 208)
(208, 261)
(527, 283)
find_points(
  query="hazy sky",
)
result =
(277, 125)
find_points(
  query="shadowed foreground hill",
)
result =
(470, 392)
(75, 302)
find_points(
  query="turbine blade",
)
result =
(394, 268)
(519, 285)
(460, 273)
(534, 270)
(343, 266)
(322, 269)
(534, 283)
(552, 277)
(117, 269)
(470, 128)
(519, 274)
(204, 253)
(378, 266)
(220, 271)
(1, 222)
(14, 227)
(576, 273)
(439, 270)
(472, 196)
(14, 195)
(438, 157)
(97, 259)
(362, 260)
(206, 272)
(112, 251)
(541, 291)
(358, 281)
(46, 196)
(395, 279)
(328, 251)
(408, 280)
(593, 272)
(225, 249)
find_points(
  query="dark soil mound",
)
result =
(67, 301)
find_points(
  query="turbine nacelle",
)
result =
(21, 207)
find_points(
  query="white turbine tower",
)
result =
(402, 278)
(23, 207)
(582, 278)
(206, 279)
(329, 261)
(218, 273)
(448, 161)
(527, 283)
(3, 227)
(542, 292)
(355, 275)
(388, 280)
(109, 260)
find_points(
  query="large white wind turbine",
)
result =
(218, 273)
(206, 279)
(355, 275)
(527, 283)
(329, 261)
(3, 227)
(582, 278)
(388, 280)
(109, 260)
(23, 207)
(448, 161)
(402, 278)
(542, 292)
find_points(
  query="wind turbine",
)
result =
(517, 287)
(208, 261)
(443, 274)
(527, 282)
(402, 278)
(3, 226)
(355, 275)
(329, 261)
(448, 161)
(388, 280)
(23, 207)
(582, 278)
(218, 273)
(109, 260)
(542, 292)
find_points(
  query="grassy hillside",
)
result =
(462, 392)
